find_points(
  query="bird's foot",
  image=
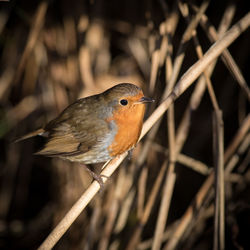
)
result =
(96, 177)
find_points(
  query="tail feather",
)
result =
(31, 134)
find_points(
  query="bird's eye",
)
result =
(123, 102)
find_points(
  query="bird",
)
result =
(96, 128)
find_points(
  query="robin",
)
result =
(96, 128)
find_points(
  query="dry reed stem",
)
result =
(157, 59)
(226, 57)
(32, 38)
(170, 177)
(218, 151)
(229, 167)
(206, 75)
(93, 223)
(187, 79)
(215, 50)
(186, 161)
(167, 51)
(200, 53)
(164, 209)
(173, 71)
(116, 195)
(168, 183)
(245, 163)
(142, 191)
(243, 148)
(193, 164)
(182, 132)
(111, 216)
(195, 99)
(201, 195)
(193, 72)
(180, 53)
(198, 93)
(226, 19)
(169, 28)
(147, 244)
(124, 213)
(148, 208)
(237, 139)
(154, 70)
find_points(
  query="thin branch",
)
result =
(219, 217)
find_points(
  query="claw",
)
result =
(96, 177)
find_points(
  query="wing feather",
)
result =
(75, 131)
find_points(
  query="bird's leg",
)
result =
(95, 176)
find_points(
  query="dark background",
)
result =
(83, 48)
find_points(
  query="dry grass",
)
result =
(187, 183)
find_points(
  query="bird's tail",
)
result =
(31, 134)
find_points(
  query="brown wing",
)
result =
(76, 130)
(63, 141)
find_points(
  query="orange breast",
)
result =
(129, 124)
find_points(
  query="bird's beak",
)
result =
(145, 99)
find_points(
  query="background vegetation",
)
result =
(53, 52)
